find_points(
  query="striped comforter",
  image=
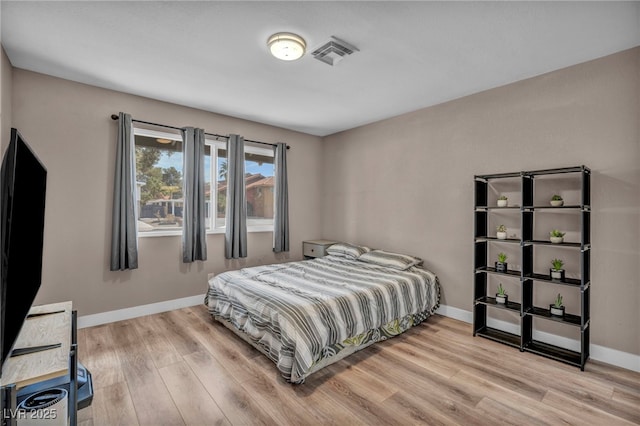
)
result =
(299, 313)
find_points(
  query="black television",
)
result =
(24, 181)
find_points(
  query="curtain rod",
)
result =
(115, 117)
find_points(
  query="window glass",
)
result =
(259, 186)
(159, 177)
(159, 182)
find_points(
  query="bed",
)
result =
(307, 314)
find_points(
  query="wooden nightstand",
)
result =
(316, 248)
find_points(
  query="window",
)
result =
(159, 184)
(259, 186)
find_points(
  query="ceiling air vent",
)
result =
(334, 51)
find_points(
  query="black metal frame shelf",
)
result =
(528, 210)
(567, 281)
(516, 208)
(499, 336)
(576, 208)
(556, 353)
(491, 301)
(498, 240)
(549, 243)
(544, 313)
(492, 270)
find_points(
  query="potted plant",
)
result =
(557, 273)
(556, 236)
(501, 295)
(502, 201)
(557, 201)
(501, 232)
(501, 264)
(556, 308)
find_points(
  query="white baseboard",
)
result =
(139, 311)
(455, 313)
(596, 352)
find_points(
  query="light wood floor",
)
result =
(180, 367)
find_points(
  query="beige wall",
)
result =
(6, 79)
(69, 127)
(406, 183)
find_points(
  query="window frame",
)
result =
(142, 131)
(248, 149)
(214, 146)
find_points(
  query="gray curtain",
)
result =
(194, 235)
(235, 241)
(281, 217)
(124, 226)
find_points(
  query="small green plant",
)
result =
(501, 291)
(558, 302)
(503, 197)
(556, 197)
(502, 257)
(557, 264)
(501, 228)
(556, 233)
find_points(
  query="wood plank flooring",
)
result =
(181, 367)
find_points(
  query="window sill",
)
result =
(250, 230)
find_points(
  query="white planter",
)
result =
(501, 235)
(557, 312)
(502, 299)
(557, 274)
(502, 203)
(556, 240)
(557, 203)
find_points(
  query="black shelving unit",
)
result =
(527, 210)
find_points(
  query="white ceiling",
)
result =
(213, 56)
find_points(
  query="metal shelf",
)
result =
(499, 336)
(492, 270)
(483, 211)
(491, 301)
(545, 314)
(554, 352)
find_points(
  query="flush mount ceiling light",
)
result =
(286, 46)
(163, 140)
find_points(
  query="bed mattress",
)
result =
(304, 315)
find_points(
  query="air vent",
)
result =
(334, 51)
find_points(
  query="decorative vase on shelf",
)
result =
(556, 201)
(556, 237)
(556, 272)
(501, 296)
(501, 266)
(501, 232)
(557, 309)
(502, 201)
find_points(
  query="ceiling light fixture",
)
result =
(163, 140)
(286, 46)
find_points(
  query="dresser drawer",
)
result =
(316, 248)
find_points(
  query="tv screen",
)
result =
(23, 187)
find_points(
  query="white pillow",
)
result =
(390, 259)
(351, 251)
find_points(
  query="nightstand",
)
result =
(316, 248)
